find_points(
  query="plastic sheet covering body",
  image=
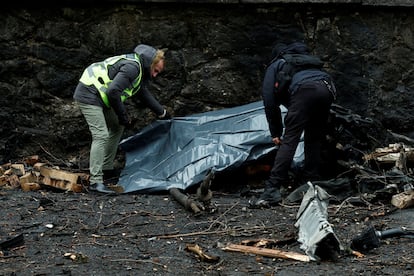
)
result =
(180, 152)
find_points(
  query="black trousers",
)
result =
(308, 111)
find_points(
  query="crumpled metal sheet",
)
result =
(180, 152)
(316, 234)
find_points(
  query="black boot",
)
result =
(108, 188)
(110, 180)
(110, 176)
(270, 197)
(99, 187)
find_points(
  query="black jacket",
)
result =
(273, 100)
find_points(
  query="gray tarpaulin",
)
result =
(178, 153)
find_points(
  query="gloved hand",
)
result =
(165, 115)
(125, 121)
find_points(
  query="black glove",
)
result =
(125, 121)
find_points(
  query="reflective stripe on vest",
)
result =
(97, 75)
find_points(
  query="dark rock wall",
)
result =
(215, 59)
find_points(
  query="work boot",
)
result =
(270, 197)
(116, 188)
(110, 176)
(110, 180)
(110, 188)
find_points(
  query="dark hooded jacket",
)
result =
(273, 100)
(123, 73)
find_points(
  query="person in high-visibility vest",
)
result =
(100, 95)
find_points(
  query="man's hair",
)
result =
(159, 55)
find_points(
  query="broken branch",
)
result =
(185, 200)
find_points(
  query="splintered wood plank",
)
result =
(31, 160)
(30, 186)
(59, 174)
(29, 177)
(403, 200)
(13, 181)
(273, 253)
(18, 169)
(38, 165)
(3, 180)
(62, 184)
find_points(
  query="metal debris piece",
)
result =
(316, 234)
(371, 238)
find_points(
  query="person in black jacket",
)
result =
(100, 95)
(308, 99)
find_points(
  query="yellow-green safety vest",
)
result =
(97, 75)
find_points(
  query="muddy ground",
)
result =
(66, 233)
(50, 232)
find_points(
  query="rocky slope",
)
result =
(216, 58)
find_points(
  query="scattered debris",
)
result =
(195, 248)
(370, 238)
(204, 195)
(77, 257)
(315, 232)
(12, 242)
(203, 191)
(185, 201)
(33, 175)
(357, 253)
(268, 243)
(273, 253)
(403, 200)
(397, 153)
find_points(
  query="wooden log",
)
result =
(273, 253)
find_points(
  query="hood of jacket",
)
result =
(147, 54)
(293, 48)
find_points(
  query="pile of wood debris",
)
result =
(400, 156)
(32, 175)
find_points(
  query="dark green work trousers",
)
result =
(106, 133)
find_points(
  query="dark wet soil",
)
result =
(135, 234)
